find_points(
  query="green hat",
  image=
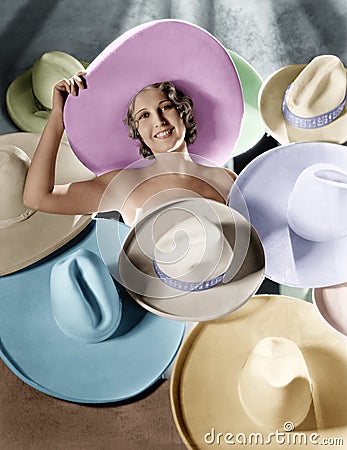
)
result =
(252, 128)
(29, 96)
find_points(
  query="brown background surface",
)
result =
(34, 421)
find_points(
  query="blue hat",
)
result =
(68, 330)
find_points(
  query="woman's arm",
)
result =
(40, 193)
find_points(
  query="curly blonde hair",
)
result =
(181, 102)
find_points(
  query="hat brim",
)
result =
(270, 104)
(40, 354)
(331, 304)
(24, 110)
(27, 242)
(265, 185)
(204, 384)
(302, 293)
(203, 70)
(252, 128)
(21, 105)
(137, 273)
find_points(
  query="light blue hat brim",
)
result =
(36, 350)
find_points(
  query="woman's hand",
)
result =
(65, 87)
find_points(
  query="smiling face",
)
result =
(158, 122)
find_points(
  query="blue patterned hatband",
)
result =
(186, 285)
(311, 122)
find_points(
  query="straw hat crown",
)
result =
(274, 384)
(319, 88)
(306, 102)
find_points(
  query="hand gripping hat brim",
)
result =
(24, 109)
(204, 384)
(27, 242)
(265, 186)
(40, 354)
(163, 50)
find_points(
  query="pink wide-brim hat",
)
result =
(163, 50)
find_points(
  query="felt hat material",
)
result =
(194, 261)
(85, 303)
(79, 363)
(331, 304)
(29, 96)
(252, 128)
(201, 292)
(203, 70)
(302, 293)
(314, 94)
(27, 236)
(275, 384)
(296, 197)
(258, 370)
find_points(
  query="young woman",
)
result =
(161, 118)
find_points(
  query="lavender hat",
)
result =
(163, 50)
(296, 197)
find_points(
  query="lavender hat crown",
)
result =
(317, 205)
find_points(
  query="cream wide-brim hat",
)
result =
(270, 105)
(27, 242)
(204, 384)
(243, 277)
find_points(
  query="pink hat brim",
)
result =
(164, 50)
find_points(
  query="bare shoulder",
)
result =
(223, 171)
(230, 172)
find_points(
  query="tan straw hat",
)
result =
(29, 96)
(26, 236)
(193, 259)
(306, 102)
(269, 367)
